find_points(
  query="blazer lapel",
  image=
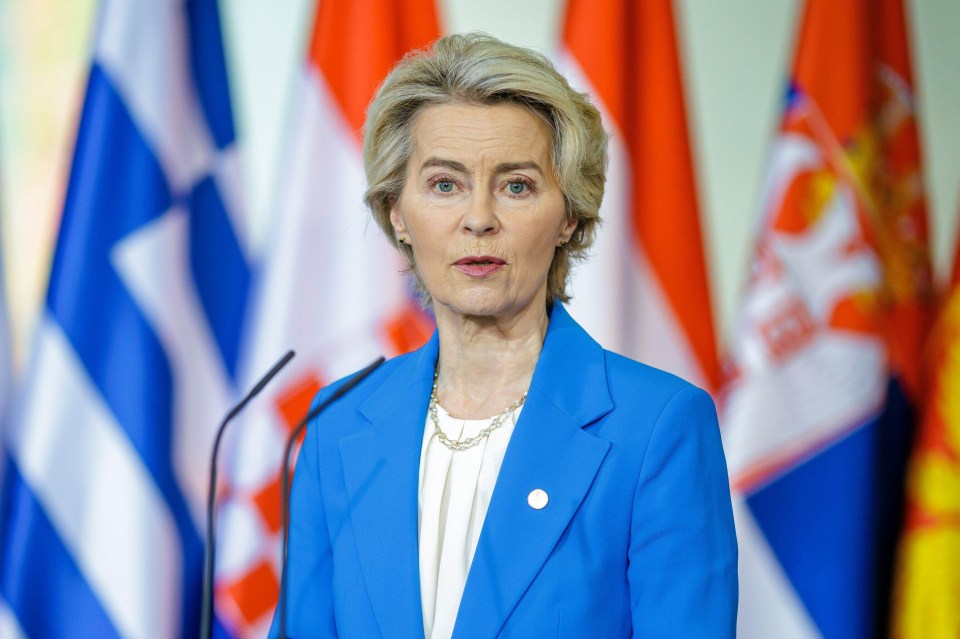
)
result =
(381, 474)
(550, 451)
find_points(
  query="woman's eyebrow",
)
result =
(507, 167)
(453, 165)
(503, 167)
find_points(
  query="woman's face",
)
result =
(481, 209)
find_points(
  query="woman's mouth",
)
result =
(479, 265)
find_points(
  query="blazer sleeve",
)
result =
(310, 569)
(682, 566)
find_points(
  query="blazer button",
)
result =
(538, 499)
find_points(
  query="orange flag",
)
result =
(645, 291)
(927, 598)
(328, 285)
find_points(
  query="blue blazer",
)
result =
(637, 538)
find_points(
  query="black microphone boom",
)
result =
(206, 618)
(340, 392)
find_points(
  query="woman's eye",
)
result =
(444, 186)
(517, 188)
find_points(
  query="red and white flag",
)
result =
(644, 292)
(328, 287)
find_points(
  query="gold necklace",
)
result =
(469, 442)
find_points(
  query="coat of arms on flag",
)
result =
(329, 286)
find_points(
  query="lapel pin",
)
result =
(538, 498)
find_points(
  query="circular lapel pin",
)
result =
(538, 498)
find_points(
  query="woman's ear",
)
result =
(569, 226)
(399, 228)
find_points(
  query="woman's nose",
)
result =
(480, 217)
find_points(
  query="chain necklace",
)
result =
(468, 442)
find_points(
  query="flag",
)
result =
(644, 291)
(6, 358)
(329, 286)
(825, 357)
(134, 360)
(928, 569)
(8, 624)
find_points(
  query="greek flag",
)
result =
(135, 355)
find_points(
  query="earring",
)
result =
(563, 243)
(402, 240)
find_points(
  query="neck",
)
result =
(486, 363)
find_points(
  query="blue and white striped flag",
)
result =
(7, 624)
(135, 355)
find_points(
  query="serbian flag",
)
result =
(329, 286)
(928, 567)
(825, 360)
(644, 291)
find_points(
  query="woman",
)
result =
(611, 514)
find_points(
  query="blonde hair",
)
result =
(476, 68)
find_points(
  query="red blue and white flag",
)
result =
(328, 287)
(825, 360)
(135, 357)
(644, 291)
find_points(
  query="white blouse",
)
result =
(455, 491)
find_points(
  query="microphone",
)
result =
(285, 497)
(206, 619)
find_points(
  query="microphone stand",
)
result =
(206, 618)
(285, 497)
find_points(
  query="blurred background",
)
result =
(820, 409)
(735, 58)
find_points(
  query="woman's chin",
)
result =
(478, 308)
(483, 304)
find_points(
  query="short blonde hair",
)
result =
(476, 68)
